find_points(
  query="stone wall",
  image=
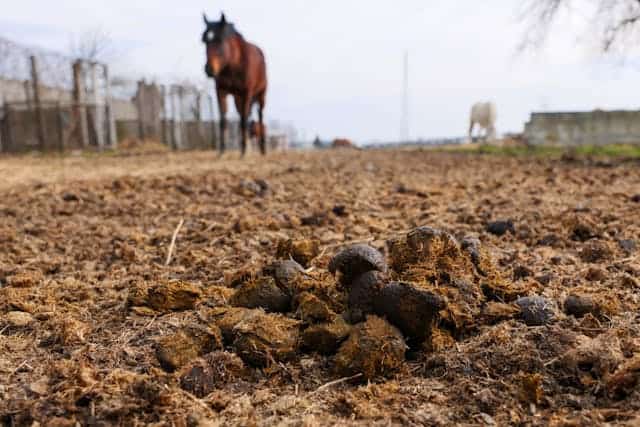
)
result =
(583, 128)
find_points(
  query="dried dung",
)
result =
(363, 292)
(226, 318)
(286, 273)
(355, 260)
(579, 305)
(410, 309)
(263, 339)
(301, 251)
(625, 379)
(435, 261)
(84, 360)
(262, 293)
(175, 350)
(494, 312)
(165, 297)
(25, 279)
(596, 251)
(325, 338)
(202, 376)
(216, 296)
(374, 348)
(312, 309)
(16, 319)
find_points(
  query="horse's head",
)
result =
(217, 37)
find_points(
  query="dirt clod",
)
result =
(536, 310)
(494, 312)
(596, 251)
(17, 319)
(579, 305)
(25, 279)
(374, 348)
(340, 210)
(258, 187)
(214, 370)
(628, 245)
(502, 227)
(625, 379)
(593, 359)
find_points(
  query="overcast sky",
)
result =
(335, 66)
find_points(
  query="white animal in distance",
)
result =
(484, 115)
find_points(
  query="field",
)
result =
(118, 273)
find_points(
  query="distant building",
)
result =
(596, 127)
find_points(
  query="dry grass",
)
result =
(86, 297)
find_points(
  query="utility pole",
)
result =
(404, 120)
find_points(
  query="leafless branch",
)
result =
(95, 45)
(614, 23)
(538, 17)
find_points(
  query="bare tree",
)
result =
(614, 23)
(95, 45)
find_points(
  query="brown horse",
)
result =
(239, 69)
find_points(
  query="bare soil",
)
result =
(95, 329)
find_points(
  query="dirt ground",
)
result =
(96, 329)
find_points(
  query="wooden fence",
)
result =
(180, 116)
(82, 120)
(87, 116)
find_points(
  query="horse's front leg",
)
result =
(243, 105)
(222, 105)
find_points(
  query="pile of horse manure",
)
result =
(430, 292)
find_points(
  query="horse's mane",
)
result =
(228, 30)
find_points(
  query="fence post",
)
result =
(8, 144)
(60, 123)
(155, 108)
(111, 120)
(79, 105)
(35, 80)
(140, 106)
(214, 128)
(3, 123)
(27, 95)
(163, 115)
(198, 114)
(98, 117)
(177, 143)
(181, 132)
(172, 125)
